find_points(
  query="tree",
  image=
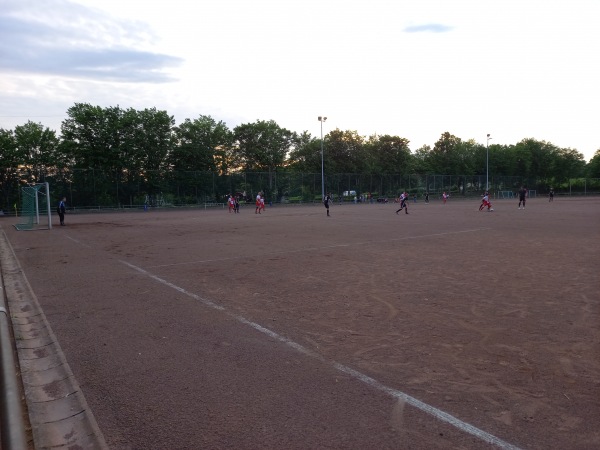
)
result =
(262, 145)
(443, 158)
(146, 140)
(36, 149)
(537, 158)
(9, 160)
(507, 160)
(202, 144)
(421, 160)
(305, 155)
(92, 137)
(593, 167)
(388, 155)
(567, 163)
(131, 145)
(520, 159)
(344, 152)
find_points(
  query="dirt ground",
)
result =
(444, 328)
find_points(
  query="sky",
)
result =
(514, 69)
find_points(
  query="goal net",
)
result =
(531, 193)
(506, 194)
(35, 203)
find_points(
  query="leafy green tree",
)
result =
(593, 167)
(465, 157)
(146, 142)
(306, 154)
(344, 152)
(9, 160)
(9, 157)
(263, 145)
(132, 145)
(503, 160)
(538, 155)
(92, 137)
(521, 159)
(444, 156)
(567, 163)
(202, 144)
(388, 155)
(421, 160)
(36, 150)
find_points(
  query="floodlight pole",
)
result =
(487, 163)
(322, 119)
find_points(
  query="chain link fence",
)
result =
(93, 189)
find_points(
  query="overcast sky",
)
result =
(414, 68)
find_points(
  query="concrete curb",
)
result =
(58, 412)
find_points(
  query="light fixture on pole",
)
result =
(322, 119)
(487, 163)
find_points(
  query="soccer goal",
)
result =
(36, 203)
(506, 194)
(531, 193)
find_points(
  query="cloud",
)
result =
(78, 42)
(428, 28)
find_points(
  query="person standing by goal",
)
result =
(61, 210)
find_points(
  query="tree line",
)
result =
(148, 144)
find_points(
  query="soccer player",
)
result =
(231, 203)
(551, 195)
(403, 204)
(485, 201)
(258, 206)
(522, 196)
(262, 202)
(326, 202)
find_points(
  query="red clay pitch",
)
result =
(207, 329)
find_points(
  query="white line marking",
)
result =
(424, 407)
(312, 249)
(77, 242)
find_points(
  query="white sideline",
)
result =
(437, 413)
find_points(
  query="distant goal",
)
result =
(532, 193)
(35, 208)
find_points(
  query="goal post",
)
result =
(35, 203)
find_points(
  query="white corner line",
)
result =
(424, 407)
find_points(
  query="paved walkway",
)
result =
(59, 416)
